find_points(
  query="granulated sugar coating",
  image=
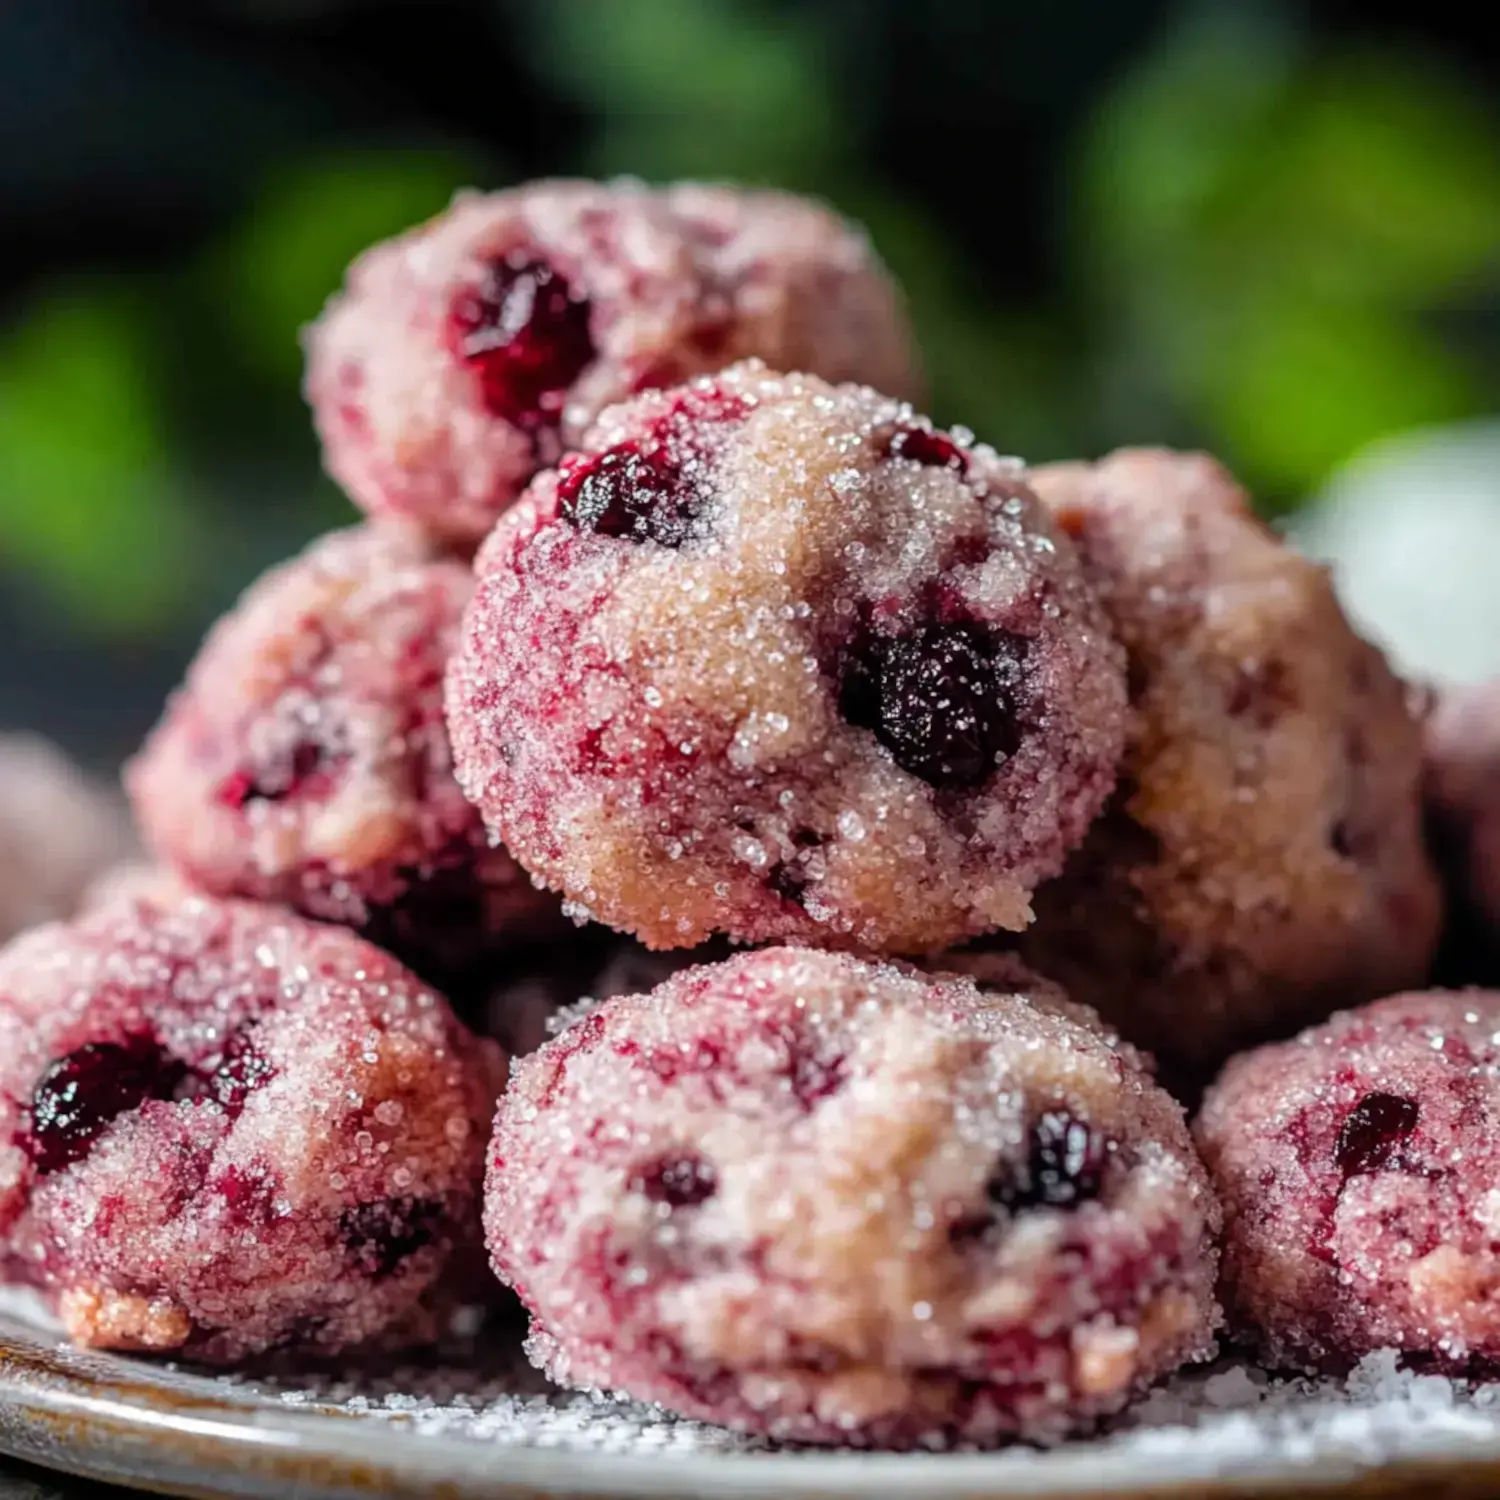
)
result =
(1359, 1166)
(226, 1130)
(1226, 1420)
(476, 349)
(1262, 862)
(996, 972)
(57, 832)
(776, 659)
(1463, 796)
(841, 1202)
(306, 761)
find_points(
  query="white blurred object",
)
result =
(1411, 527)
(58, 830)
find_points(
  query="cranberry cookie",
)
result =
(776, 659)
(836, 1201)
(226, 1130)
(1358, 1167)
(1262, 861)
(469, 353)
(306, 761)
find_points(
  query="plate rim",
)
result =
(150, 1435)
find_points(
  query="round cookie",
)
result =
(1463, 801)
(57, 832)
(476, 349)
(1262, 861)
(1358, 1166)
(776, 659)
(306, 761)
(837, 1201)
(226, 1130)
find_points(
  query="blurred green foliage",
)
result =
(1264, 249)
(302, 228)
(1270, 237)
(698, 88)
(87, 473)
(718, 89)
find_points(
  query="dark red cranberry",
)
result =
(301, 770)
(380, 1236)
(241, 1070)
(789, 881)
(629, 492)
(678, 1181)
(938, 698)
(814, 1078)
(81, 1094)
(1065, 1159)
(1372, 1131)
(669, 1063)
(249, 1198)
(235, 790)
(922, 445)
(526, 334)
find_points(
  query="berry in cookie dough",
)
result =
(469, 353)
(1357, 1166)
(837, 1201)
(57, 832)
(778, 660)
(1262, 861)
(226, 1130)
(306, 762)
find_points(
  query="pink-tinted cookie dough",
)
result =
(777, 659)
(476, 349)
(1262, 862)
(306, 761)
(226, 1130)
(1463, 798)
(57, 832)
(1359, 1167)
(836, 1201)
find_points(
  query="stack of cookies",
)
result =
(892, 838)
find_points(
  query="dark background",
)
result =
(1270, 229)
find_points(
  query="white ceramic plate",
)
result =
(491, 1430)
